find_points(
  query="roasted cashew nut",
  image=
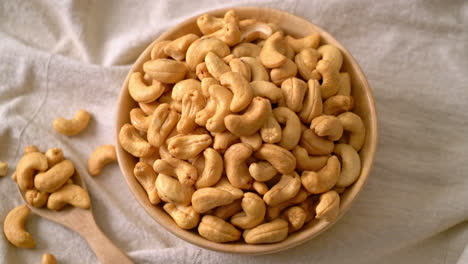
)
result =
(183, 87)
(324, 179)
(178, 47)
(212, 169)
(165, 70)
(222, 98)
(185, 172)
(279, 157)
(202, 71)
(27, 166)
(309, 205)
(100, 157)
(262, 171)
(54, 156)
(312, 105)
(71, 127)
(240, 87)
(332, 54)
(157, 52)
(161, 124)
(36, 198)
(207, 198)
(69, 194)
(148, 108)
(133, 143)
(55, 177)
(188, 146)
(274, 212)
(192, 103)
(306, 162)
(215, 65)
(139, 119)
(288, 187)
(246, 50)
(272, 51)
(331, 78)
(209, 24)
(271, 130)
(294, 90)
(254, 141)
(184, 216)
(253, 31)
(267, 90)
(13, 227)
(306, 62)
(338, 104)
(314, 144)
(254, 210)
(280, 74)
(197, 51)
(327, 126)
(260, 187)
(291, 133)
(296, 217)
(310, 41)
(344, 86)
(257, 70)
(228, 210)
(235, 165)
(350, 164)
(251, 120)
(328, 207)
(354, 125)
(171, 190)
(272, 232)
(146, 176)
(206, 83)
(216, 229)
(141, 92)
(223, 140)
(241, 67)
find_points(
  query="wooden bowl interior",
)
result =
(365, 108)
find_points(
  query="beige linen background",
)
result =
(59, 56)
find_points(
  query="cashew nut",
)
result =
(148, 108)
(262, 171)
(202, 71)
(294, 90)
(306, 162)
(222, 98)
(228, 210)
(69, 194)
(333, 55)
(157, 52)
(272, 51)
(271, 130)
(331, 78)
(328, 207)
(184, 216)
(188, 146)
(354, 125)
(165, 70)
(3, 168)
(310, 41)
(338, 104)
(292, 127)
(327, 126)
(254, 210)
(252, 31)
(229, 32)
(257, 71)
(161, 124)
(344, 85)
(26, 168)
(223, 140)
(206, 83)
(254, 141)
(36, 198)
(280, 74)
(272, 232)
(48, 259)
(29, 149)
(306, 62)
(246, 50)
(241, 67)
(212, 169)
(183, 87)
(141, 92)
(171, 190)
(251, 120)
(314, 144)
(197, 51)
(260, 187)
(209, 24)
(55, 177)
(308, 205)
(139, 119)
(312, 105)
(235, 165)
(178, 47)
(296, 217)
(350, 164)
(184, 171)
(274, 212)
(133, 143)
(71, 127)
(208, 198)
(216, 229)
(54, 156)
(192, 103)
(100, 157)
(279, 157)
(267, 90)
(240, 87)
(13, 227)
(215, 65)
(285, 189)
(324, 179)
(146, 176)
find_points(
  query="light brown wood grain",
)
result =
(297, 27)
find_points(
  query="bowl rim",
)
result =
(197, 240)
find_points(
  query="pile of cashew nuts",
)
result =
(243, 131)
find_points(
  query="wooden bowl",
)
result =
(364, 107)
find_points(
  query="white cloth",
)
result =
(59, 56)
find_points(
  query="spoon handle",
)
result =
(105, 250)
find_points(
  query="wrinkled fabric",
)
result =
(59, 56)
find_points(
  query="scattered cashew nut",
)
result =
(71, 127)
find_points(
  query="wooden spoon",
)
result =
(82, 221)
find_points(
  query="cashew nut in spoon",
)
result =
(36, 198)
(27, 167)
(55, 177)
(71, 127)
(69, 194)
